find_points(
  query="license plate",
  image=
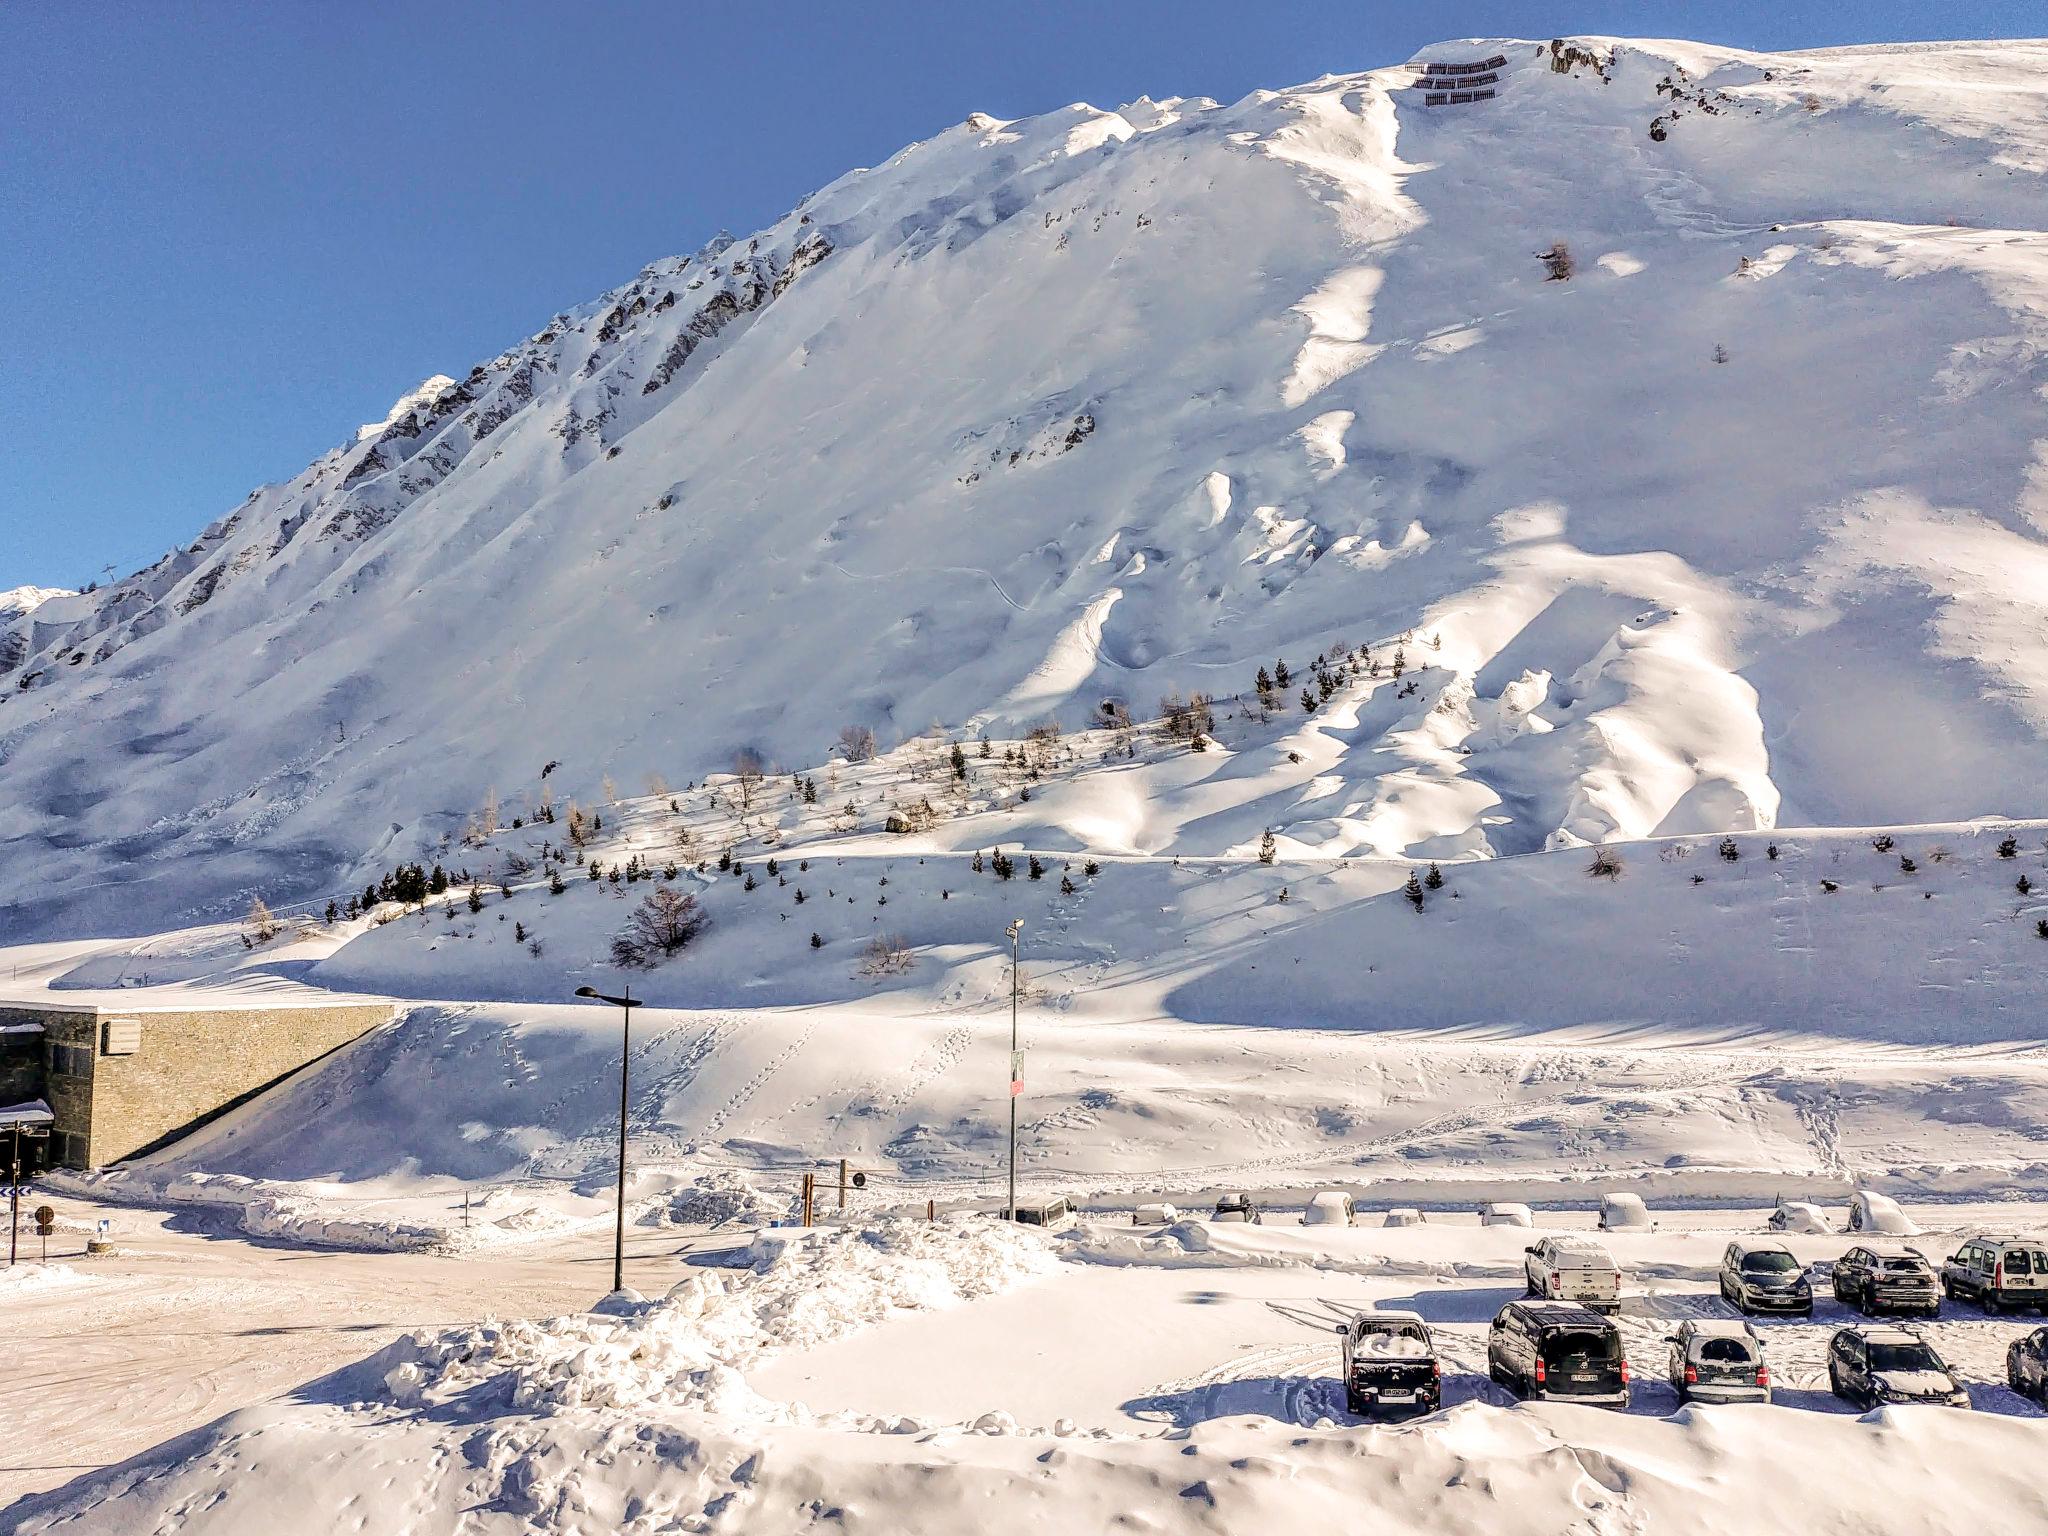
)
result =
(1582, 1376)
(1397, 1397)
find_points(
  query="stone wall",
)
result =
(192, 1064)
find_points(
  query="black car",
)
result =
(1559, 1352)
(2026, 1365)
(1234, 1206)
(1761, 1275)
(1390, 1364)
(1869, 1365)
(1876, 1278)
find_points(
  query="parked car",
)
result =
(2026, 1365)
(1055, 1215)
(1572, 1269)
(1998, 1270)
(1331, 1207)
(1390, 1364)
(1506, 1213)
(1624, 1213)
(1798, 1216)
(1759, 1274)
(1405, 1216)
(1873, 1363)
(1871, 1212)
(1236, 1206)
(1157, 1214)
(1558, 1351)
(1887, 1277)
(1718, 1360)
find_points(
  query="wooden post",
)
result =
(931, 1210)
(810, 1180)
(842, 1183)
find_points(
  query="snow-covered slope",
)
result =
(1742, 524)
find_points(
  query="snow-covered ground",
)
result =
(892, 1376)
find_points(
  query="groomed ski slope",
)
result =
(1106, 404)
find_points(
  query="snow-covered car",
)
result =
(1624, 1213)
(1799, 1216)
(1390, 1364)
(1158, 1214)
(1998, 1270)
(1234, 1205)
(1871, 1364)
(1872, 1212)
(1718, 1360)
(2026, 1365)
(1572, 1269)
(1055, 1215)
(1329, 1208)
(1762, 1275)
(1506, 1213)
(1879, 1277)
(1557, 1350)
(1404, 1216)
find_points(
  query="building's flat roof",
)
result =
(255, 996)
(27, 1112)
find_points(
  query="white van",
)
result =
(1572, 1269)
(1506, 1213)
(1054, 1215)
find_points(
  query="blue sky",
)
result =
(231, 232)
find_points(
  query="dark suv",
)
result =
(1872, 1364)
(1558, 1351)
(1761, 1275)
(1390, 1364)
(1233, 1205)
(1876, 1278)
(2026, 1365)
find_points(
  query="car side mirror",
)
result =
(1498, 1325)
(1670, 1338)
(1530, 1250)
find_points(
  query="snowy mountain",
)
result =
(1741, 524)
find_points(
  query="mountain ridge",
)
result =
(1099, 406)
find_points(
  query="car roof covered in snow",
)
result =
(1388, 1315)
(1762, 1245)
(1717, 1328)
(1885, 1333)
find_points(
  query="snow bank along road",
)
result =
(911, 1376)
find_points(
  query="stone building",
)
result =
(122, 1079)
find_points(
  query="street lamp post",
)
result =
(627, 1004)
(1016, 1065)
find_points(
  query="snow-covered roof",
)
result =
(28, 1112)
(1390, 1315)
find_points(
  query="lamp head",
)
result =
(586, 991)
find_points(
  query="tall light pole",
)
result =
(627, 1004)
(1016, 1066)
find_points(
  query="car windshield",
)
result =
(1581, 1349)
(2026, 1261)
(1768, 1263)
(1904, 1265)
(1903, 1357)
(1725, 1351)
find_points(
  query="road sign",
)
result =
(46, 1216)
(860, 1181)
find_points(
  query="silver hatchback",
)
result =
(1718, 1360)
